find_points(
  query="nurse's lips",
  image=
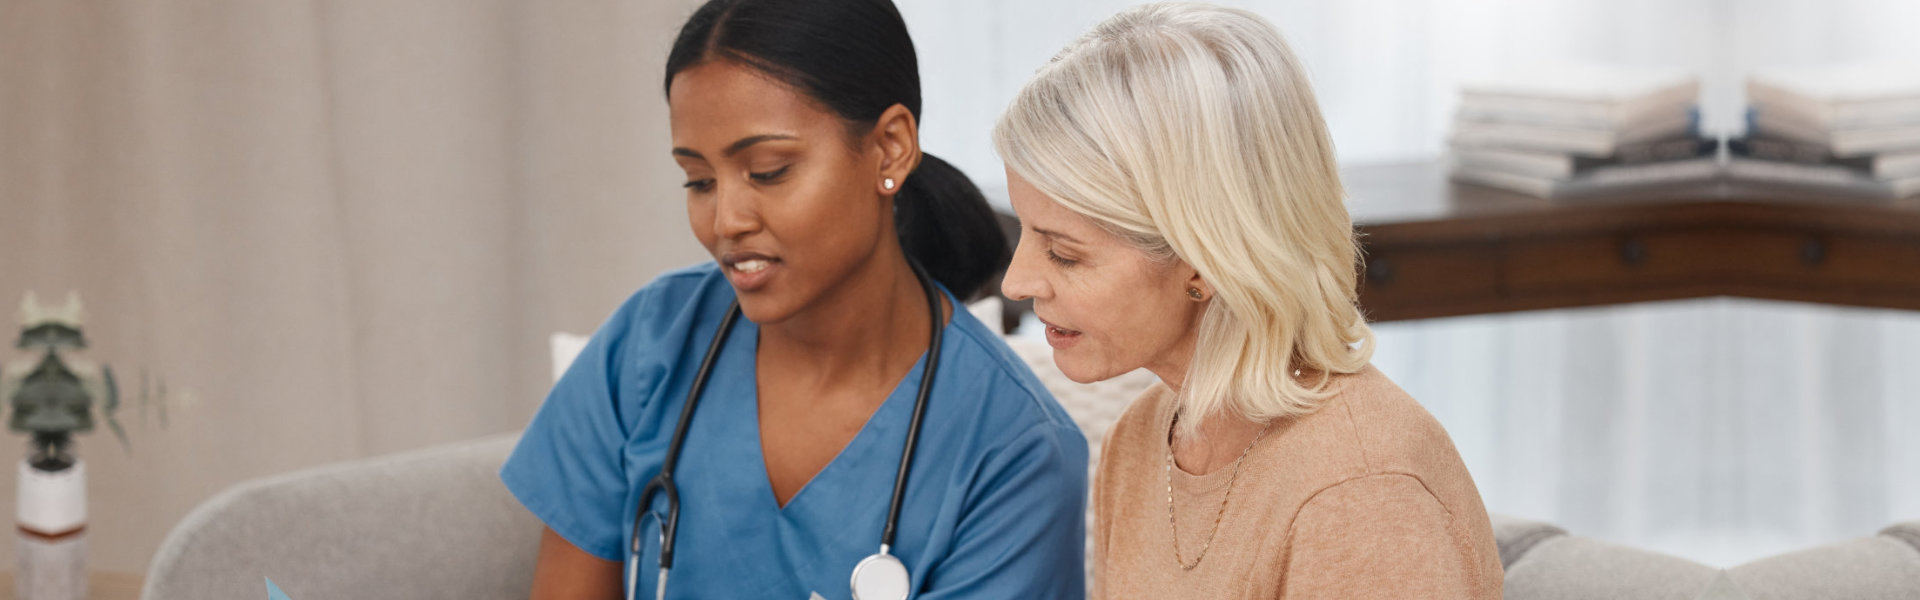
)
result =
(749, 271)
(1059, 337)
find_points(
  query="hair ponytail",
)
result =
(856, 58)
(945, 224)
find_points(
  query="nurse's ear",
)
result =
(896, 143)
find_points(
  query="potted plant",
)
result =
(52, 394)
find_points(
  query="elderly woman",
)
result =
(1181, 212)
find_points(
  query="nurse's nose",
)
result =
(736, 213)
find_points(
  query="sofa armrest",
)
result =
(434, 523)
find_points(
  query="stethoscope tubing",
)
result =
(663, 482)
(919, 407)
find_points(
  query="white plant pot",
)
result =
(52, 517)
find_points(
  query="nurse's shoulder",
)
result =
(678, 299)
(567, 468)
(646, 338)
(1017, 477)
(1010, 397)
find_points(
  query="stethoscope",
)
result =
(877, 577)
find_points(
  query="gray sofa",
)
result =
(429, 524)
(438, 524)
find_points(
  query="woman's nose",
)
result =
(1022, 281)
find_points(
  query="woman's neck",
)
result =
(1171, 365)
(1222, 436)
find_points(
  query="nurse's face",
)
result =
(1108, 307)
(778, 193)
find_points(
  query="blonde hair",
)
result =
(1191, 132)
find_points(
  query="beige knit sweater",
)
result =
(1364, 498)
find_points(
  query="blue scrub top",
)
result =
(995, 504)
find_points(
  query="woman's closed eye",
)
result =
(1060, 260)
(699, 185)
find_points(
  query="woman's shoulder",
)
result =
(1390, 469)
(1389, 431)
(1370, 429)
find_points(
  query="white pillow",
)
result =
(565, 346)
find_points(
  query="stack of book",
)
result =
(1850, 129)
(1575, 130)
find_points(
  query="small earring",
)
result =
(887, 183)
(1194, 293)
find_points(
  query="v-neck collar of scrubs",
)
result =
(874, 449)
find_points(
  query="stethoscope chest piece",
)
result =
(880, 577)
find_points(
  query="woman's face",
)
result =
(1109, 308)
(775, 191)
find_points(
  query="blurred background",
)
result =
(339, 229)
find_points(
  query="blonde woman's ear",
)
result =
(1197, 288)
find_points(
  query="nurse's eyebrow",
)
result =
(736, 147)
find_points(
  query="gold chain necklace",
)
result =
(1222, 513)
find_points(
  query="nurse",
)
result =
(796, 122)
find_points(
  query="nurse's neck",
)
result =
(824, 371)
(867, 332)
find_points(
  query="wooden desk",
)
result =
(100, 586)
(1435, 248)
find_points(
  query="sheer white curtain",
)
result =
(337, 229)
(1718, 429)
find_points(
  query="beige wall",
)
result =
(337, 229)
